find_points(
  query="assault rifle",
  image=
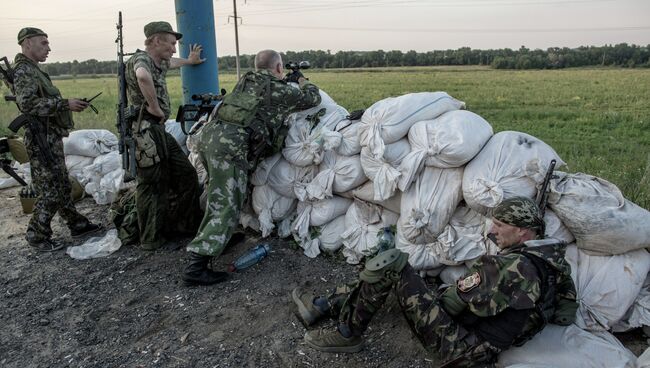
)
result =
(6, 162)
(542, 195)
(199, 112)
(125, 114)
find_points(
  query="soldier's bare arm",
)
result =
(145, 82)
(193, 58)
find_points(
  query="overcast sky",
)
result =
(85, 29)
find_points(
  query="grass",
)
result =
(598, 120)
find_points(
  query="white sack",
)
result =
(96, 247)
(451, 140)
(201, 172)
(263, 170)
(304, 144)
(291, 181)
(333, 111)
(23, 170)
(390, 119)
(606, 285)
(450, 274)
(318, 213)
(102, 179)
(363, 221)
(328, 238)
(569, 346)
(270, 207)
(598, 215)
(350, 144)
(174, 128)
(90, 142)
(366, 192)
(76, 163)
(638, 314)
(382, 170)
(511, 164)
(555, 229)
(336, 174)
(429, 204)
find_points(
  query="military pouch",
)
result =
(146, 153)
(238, 109)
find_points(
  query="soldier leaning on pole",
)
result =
(167, 191)
(502, 301)
(248, 126)
(49, 119)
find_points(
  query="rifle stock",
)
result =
(126, 144)
(542, 195)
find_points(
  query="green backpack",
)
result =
(240, 107)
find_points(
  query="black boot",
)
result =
(198, 272)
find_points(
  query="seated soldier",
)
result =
(502, 301)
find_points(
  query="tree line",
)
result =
(620, 55)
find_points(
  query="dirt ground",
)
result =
(130, 309)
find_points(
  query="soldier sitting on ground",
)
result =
(502, 301)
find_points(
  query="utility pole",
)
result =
(236, 19)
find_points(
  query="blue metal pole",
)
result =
(195, 20)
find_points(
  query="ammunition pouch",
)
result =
(146, 151)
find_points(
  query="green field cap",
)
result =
(28, 32)
(160, 27)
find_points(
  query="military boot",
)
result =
(198, 272)
(48, 245)
(333, 341)
(307, 311)
(386, 266)
(87, 229)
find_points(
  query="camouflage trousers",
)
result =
(223, 149)
(434, 327)
(167, 193)
(50, 181)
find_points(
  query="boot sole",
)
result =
(303, 314)
(336, 349)
(198, 283)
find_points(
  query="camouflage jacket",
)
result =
(158, 75)
(284, 99)
(37, 96)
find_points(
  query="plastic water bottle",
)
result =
(386, 239)
(250, 258)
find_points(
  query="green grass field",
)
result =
(598, 120)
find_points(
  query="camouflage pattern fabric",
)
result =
(167, 193)
(520, 212)
(38, 97)
(158, 74)
(224, 151)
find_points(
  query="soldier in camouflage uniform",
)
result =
(230, 147)
(167, 192)
(50, 119)
(502, 301)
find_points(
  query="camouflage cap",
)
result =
(160, 27)
(28, 32)
(520, 212)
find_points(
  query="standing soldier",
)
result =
(167, 191)
(503, 300)
(50, 119)
(248, 125)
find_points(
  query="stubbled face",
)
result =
(505, 234)
(165, 45)
(36, 48)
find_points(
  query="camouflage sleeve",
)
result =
(28, 95)
(141, 61)
(300, 99)
(495, 283)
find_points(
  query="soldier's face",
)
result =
(166, 46)
(506, 235)
(37, 48)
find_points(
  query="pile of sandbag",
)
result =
(92, 157)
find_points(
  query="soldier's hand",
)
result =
(195, 54)
(294, 77)
(77, 105)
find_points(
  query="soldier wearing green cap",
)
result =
(502, 301)
(50, 119)
(167, 184)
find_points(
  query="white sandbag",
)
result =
(330, 235)
(76, 163)
(337, 174)
(201, 172)
(382, 170)
(606, 285)
(511, 164)
(291, 181)
(101, 166)
(555, 229)
(363, 221)
(90, 142)
(569, 346)
(451, 140)
(174, 129)
(390, 119)
(270, 207)
(366, 192)
(263, 170)
(105, 190)
(305, 144)
(430, 202)
(450, 274)
(333, 111)
(644, 359)
(318, 213)
(22, 170)
(350, 144)
(598, 215)
(638, 314)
